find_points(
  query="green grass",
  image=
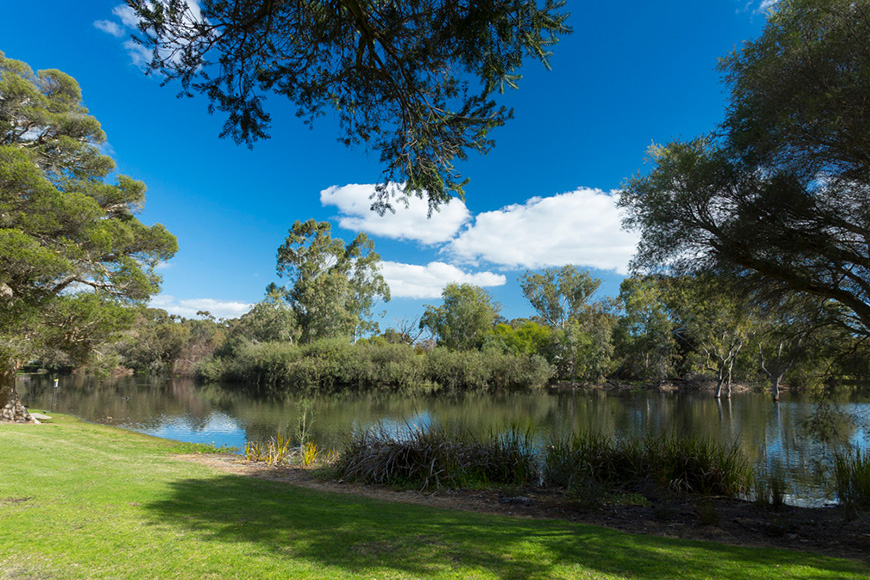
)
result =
(87, 501)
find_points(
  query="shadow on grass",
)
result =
(357, 534)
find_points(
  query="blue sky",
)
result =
(633, 73)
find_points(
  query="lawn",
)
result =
(79, 500)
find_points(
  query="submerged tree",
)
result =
(332, 287)
(412, 80)
(780, 199)
(72, 253)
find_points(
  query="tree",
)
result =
(714, 321)
(559, 294)
(72, 253)
(333, 287)
(464, 319)
(413, 80)
(644, 334)
(779, 199)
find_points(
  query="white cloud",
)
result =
(581, 228)
(188, 308)
(414, 281)
(110, 27)
(127, 15)
(407, 223)
(129, 22)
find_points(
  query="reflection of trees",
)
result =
(772, 436)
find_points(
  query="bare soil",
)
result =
(826, 531)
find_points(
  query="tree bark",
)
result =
(11, 408)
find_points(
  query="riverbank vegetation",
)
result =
(659, 330)
(150, 515)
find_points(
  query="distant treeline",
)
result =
(658, 329)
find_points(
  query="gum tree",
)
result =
(72, 253)
(332, 286)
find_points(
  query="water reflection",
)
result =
(775, 436)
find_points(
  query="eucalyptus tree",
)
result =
(72, 252)
(332, 286)
(412, 80)
(464, 319)
(779, 198)
(644, 337)
(559, 294)
(715, 321)
(582, 329)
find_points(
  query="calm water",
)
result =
(775, 437)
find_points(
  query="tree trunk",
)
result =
(775, 381)
(11, 408)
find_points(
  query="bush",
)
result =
(335, 364)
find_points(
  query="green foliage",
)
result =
(65, 231)
(559, 295)
(411, 80)
(332, 287)
(334, 365)
(162, 344)
(464, 319)
(644, 336)
(526, 337)
(580, 345)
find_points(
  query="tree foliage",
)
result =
(332, 287)
(780, 199)
(559, 294)
(464, 319)
(71, 248)
(412, 80)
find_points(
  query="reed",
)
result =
(680, 464)
(439, 457)
(852, 479)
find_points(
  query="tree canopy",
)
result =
(333, 286)
(72, 252)
(779, 199)
(411, 80)
(463, 320)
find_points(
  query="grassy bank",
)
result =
(87, 501)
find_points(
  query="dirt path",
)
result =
(820, 530)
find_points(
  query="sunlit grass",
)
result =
(84, 501)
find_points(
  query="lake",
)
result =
(776, 437)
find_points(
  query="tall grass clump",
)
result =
(438, 457)
(852, 479)
(681, 464)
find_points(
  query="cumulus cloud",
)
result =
(414, 281)
(407, 223)
(581, 228)
(189, 307)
